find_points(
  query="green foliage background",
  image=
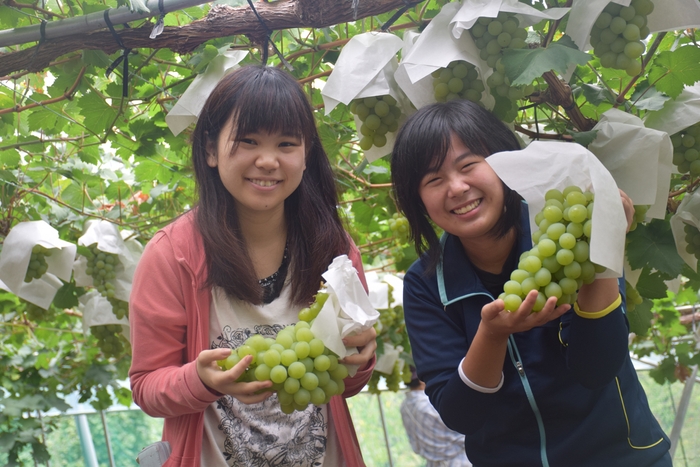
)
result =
(73, 148)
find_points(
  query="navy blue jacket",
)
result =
(570, 395)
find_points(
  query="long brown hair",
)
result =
(265, 99)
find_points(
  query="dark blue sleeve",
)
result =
(597, 348)
(438, 345)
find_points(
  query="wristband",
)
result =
(598, 314)
(475, 386)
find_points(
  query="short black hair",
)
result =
(421, 146)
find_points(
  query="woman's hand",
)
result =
(499, 323)
(366, 343)
(628, 206)
(224, 382)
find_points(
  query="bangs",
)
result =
(266, 104)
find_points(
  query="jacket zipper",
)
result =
(517, 362)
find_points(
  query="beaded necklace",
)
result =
(272, 284)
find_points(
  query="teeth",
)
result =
(264, 182)
(468, 207)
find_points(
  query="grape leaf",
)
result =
(98, 115)
(686, 296)
(150, 170)
(363, 213)
(9, 17)
(66, 296)
(42, 119)
(640, 318)
(665, 371)
(649, 98)
(597, 94)
(9, 158)
(74, 195)
(651, 284)
(653, 245)
(673, 70)
(584, 138)
(523, 66)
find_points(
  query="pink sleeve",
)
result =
(164, 381)
(354, 385)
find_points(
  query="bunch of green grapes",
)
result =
(36, 313)
(389, 318)
(102, 267)
(686, 150)
(459, 80)
(373, 383)
(37, 262)
(492, 36)
(406, 374)
(379, 115)
(109, 339)
(559, 262)
(393, 381)
(692, 238)
(397, 253)
(632, 297)
(398, 225)
(299, 365)
(640, 212)
(617, 35)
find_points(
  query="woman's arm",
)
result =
(163, 382)
(598, 334)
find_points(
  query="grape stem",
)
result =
(555, 25)
(650, 53)
(559, 93)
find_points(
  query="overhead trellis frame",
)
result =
(221, 21)
(88, 23)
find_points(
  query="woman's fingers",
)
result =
(361, 339)
(366, 343)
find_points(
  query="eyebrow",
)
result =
(465, 155)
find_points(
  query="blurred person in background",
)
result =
(428, 435)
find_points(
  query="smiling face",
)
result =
(463, 196)
(260, 170)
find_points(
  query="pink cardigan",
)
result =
(169, 317)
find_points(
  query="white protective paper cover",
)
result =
(545, 165)
(14, 260)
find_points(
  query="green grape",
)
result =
(558, 263)
(309, 313)
(109, 339)
(103, 268)
(632, 297)
(296, 370)
(36, 313)
(692, 239)
(623, 29)
(640, 212)
(459, 80)
(493, 36)
(309, 381)
(37, 262)
(278, 374)
(686, 147)
(379, 115)
(512, 302)
(399, 227)
(295, 361)
(373, 383)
